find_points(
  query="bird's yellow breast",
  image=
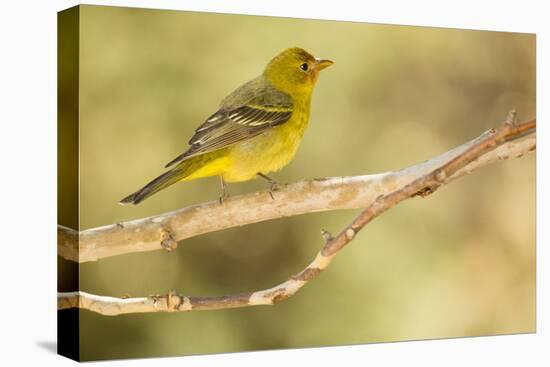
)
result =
(267, 152)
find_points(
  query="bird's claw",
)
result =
(222, 197)
(224, 194)
(274, 186)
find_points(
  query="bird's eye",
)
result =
(304, 66)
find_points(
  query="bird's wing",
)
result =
(249, 111)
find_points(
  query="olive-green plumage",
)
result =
(256, 130)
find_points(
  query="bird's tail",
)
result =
(163, 181)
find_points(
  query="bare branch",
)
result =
(475, 154)
(163, 231)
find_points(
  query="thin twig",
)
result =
(428, 182)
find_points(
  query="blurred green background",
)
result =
(458, 263)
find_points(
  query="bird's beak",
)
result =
(321, 64)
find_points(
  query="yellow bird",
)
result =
(256, 130)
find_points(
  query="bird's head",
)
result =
(295, 71)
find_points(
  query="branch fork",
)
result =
(377, 193)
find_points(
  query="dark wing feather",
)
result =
(235, 122)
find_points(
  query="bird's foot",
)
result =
(222, 197)
(273, 186)
(224, 194)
